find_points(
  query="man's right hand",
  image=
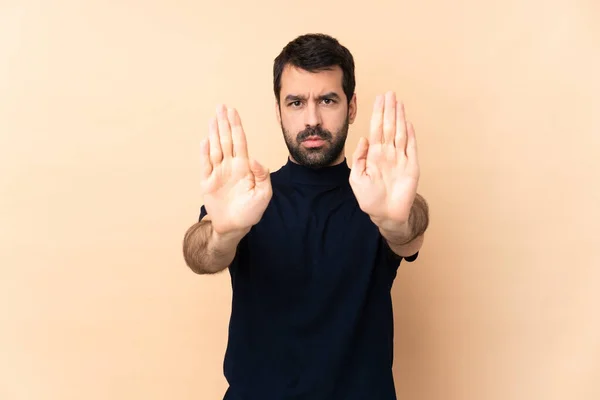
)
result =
(235, 188)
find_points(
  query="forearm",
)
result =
(406, 239)
(207, 252)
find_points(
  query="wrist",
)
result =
(389, 225)
(229, 236)
(397, 233)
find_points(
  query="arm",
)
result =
(235, 190)
(208, 252)
(406, 240)
(385, 175)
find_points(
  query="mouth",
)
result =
(313, 141)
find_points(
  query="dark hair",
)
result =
(314, 52)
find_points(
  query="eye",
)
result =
(328, 101)
(296, 103)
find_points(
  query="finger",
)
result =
(240, 147)
(224, 131)
(400, 140)
(216, 155)
(411, 146)
(205, 165)
(359, 158)
(376, 132)
(260, 172)
(389, 118)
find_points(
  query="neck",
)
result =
(336, 174)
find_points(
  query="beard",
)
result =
(317, 157)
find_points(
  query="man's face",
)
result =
(314, 116)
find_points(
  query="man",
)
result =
(313, 248)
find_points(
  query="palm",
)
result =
(385, 170)
(236, 190)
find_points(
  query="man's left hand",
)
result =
(385, 169)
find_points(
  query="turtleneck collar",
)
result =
(332, 175)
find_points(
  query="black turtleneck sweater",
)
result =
(311, 314)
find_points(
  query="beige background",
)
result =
(103, 105)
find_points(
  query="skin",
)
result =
(314, 104)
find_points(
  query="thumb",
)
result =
(359, 158)
(261, 174)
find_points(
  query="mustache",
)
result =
(314, 131)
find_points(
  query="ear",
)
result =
(352, 109)
(277, 112)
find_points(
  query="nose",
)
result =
(312, 116)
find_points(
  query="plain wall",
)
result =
(102, 108)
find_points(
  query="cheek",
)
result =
(291, 123)
(335, 122)
(291, 117)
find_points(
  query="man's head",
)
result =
(313, 81)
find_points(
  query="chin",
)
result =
(317, 158)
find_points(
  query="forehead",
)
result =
(298, 81)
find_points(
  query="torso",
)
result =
(312, 314)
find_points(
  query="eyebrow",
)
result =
(295, 97)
